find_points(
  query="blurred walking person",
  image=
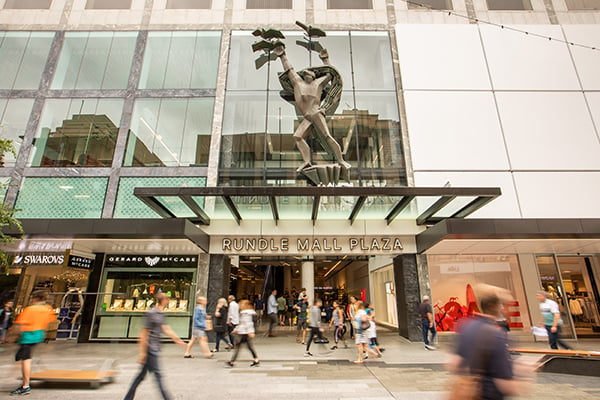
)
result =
(155, 325)
(199, 325)
(361, 326)
(551, 320)
(245, 332)
(301, 311)
(351, 314)
(233, 317)
(337, 321)
(6, 319)
(272, 312)
(427, 324)
(32, 324)
(220, 324)
(259, 307)
(314, 325)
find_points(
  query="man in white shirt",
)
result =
(551, 320)
(233, 317)
(272, 312)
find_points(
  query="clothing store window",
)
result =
(266, 4)
(431, 5)
(64, 198)
(509, 5)
(28, 4)
(77, 133)
(23, 58)
(189, 4)
(108, 4)
(95, 60)
(181, 60)
(454, 278)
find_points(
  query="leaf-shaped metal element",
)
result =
(272, 34)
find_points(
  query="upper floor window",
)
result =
(583, 4)
(22, 58)
(108, 4)
(188, 4)
(28, 4)
(278, 4)
(509, 4)
(349, 4)
(432, 4)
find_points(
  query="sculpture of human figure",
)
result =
(307, 95)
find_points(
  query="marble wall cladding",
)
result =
(219, 270)
(408, 296)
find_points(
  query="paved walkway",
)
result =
(407, 371)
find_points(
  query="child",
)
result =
(372, 332)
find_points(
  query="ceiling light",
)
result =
(65, 187)
(82, 196)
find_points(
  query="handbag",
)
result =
(364, 325)
(209, 325)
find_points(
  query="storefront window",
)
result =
(170, 133)
(181, 60)
(454, 277)
(77, 133)
(67, 198)
(258, 147)
(23, 58)
(95, 60)
(129, 206)
(14, 115)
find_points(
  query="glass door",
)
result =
(581, 292)
(551, 282)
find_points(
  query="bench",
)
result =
(94, 378)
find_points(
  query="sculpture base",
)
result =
(325, 174)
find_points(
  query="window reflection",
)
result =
(95, 60)
(23, 58)
(14, 115)
(170, 132)
(77, 132)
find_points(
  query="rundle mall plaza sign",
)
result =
(312, 245)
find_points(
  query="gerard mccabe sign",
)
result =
(152, 261)
(311, 245)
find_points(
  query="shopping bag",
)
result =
(541, 332)
(465, 387)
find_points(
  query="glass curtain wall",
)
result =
(257, 144)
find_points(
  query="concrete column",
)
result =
(308, 279)
(287, 279)
(408, 296)
(531, 284)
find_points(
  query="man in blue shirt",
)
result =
(272, 312)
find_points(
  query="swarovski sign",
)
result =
(308, 245)
(38, 259)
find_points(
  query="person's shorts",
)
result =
(301, 324)
(361, 338)
(281, 312)
(373, 342)
(197, 333)
(24, 352)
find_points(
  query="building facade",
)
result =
(155, 152)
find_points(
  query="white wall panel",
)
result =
(520, 62)
(441, 57)
(505, 206)
(454, 131)
(559, 195)
(549, 130)
(587, 61)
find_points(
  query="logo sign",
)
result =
(80, 262)
(152, 261)
(24, 260)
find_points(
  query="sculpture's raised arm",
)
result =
(287, 66)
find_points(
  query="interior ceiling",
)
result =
(514, 246)
(109, 246)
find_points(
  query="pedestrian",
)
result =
(361, 327)
(245, 332)
(427, 324)
(337, 320)
(233, 317)
(301, 294)
(482, 353)
(372, 333)
(551, 320)
(199, 326)
(301, 310)
(314, 325)
(155, 325)
(220, 325)
(290, 309)
(328, 311)
(281, 306)
(351, 314)
(32, 324)
(259, 307)
(272, 312)
(6, 319)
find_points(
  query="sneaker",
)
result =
(334, 348)
(214, 351)
(21, 391)
(428, 347)
(255, 363)
(229, 364)
(308, 354)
